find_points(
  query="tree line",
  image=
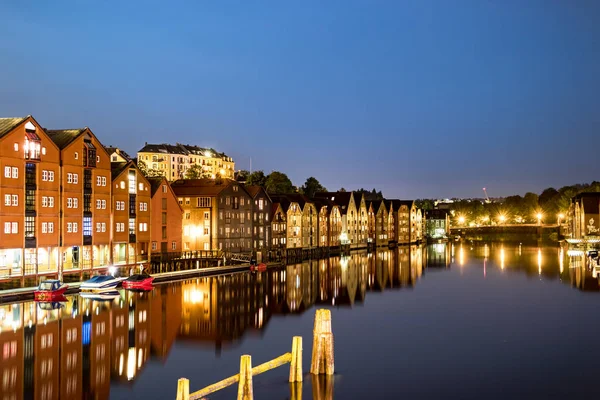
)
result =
(550, 204)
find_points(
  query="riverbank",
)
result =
(163, 277)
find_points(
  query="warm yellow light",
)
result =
(539, 215)
(502, 218)
(461, 220)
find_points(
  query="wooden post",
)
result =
(322, 352)
(245, 391)
(296, 363)
(183, 389)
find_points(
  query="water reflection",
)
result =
(112, 338)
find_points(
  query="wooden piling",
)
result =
(296, 362)
(295, 390)
(183, 389)
(322, 353)
(245, 391)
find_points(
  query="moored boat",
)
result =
(50, 290)
(258, 268)
(55, 304)
(101, 283)
(138, 281)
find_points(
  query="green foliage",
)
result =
(279, 183)
(242, 175)
(372, 195)
(312, 186)
(257, 178)
(148, 172)
(424, 204)
(196, 172)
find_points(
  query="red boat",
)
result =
(258, 268)
(51, 290)
(138, 281)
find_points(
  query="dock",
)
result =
(159, 278)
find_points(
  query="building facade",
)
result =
(437, 224)
(261, 220)
(131, 215)
(584, 216)
(166, 217)
(173, 161)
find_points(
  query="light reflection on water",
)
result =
(91, 348)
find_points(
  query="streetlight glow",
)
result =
(461, 220)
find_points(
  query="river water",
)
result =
(457, 320)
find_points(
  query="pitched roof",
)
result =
(155, 183)
(8, 124)
(63, 137)
(162, 148)
(204, 186)
(357, 197)
(282, 200)
(437, 213)
(323, 202)
(117, 168)
(341, 199)
(110, 150)
(253, 190)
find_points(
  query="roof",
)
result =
(155, 183)
(323, 202)
(203, 187)
(117, 168)
(8, 124)
(341, 199)
(591, 204)
(178, 148)
(357, 197)
(63, 137)
(437, 214)
(110, 150)
(282, 200)
(253, 190)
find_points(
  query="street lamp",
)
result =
(461, 220)
(560, 216)
(502, 218)
(539, 218)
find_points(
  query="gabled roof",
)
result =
(203, 187)
(254, 190)
(357, 198)
(162, 148)
(117, 169)
(8, 124)
(282, 200)
(63, 137)
(341, 199)
(111, 149)
(155, 183)
(323, 202)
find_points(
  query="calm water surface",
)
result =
(444, 321)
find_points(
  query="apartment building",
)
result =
(166, 220)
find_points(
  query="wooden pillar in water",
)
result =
(183, 389)
(296, 363)
(245, 391)
(322, 352)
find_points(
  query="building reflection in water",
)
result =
(77, 348)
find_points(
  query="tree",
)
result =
(312, 186)
(242, 175)
(148, 172)
(195, 172)
(424, 204)
(279, 183)
(257, 178)
(342, 190)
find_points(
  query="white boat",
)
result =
(100, 296)
(101, 283)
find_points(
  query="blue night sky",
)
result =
(416, 98)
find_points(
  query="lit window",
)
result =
(16, 146)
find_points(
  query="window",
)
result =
(76, 155)
(7, 172)
(163, 204)
(44, 227)
(99, 204)
(206, 215)
(173, 245)
(132, 226)
(51, 202)
(227, 200)
(98, 181)
(75, 201)
(44, 175)
(203, 202)
(50, 176)
(187, 215)
(164, 218)
(260, 204)
(187, 201)
(87, 226)
(104, 227)
(74, 227)
(103, 181)
(69, 227)
(206, 231)
(154, 245)
(7, 227)
(103, 204)
(75, 179)
(15, 172)
(15, 200)
(16, 146)
(7, 200)
(69, 202)
(98, 226)
(143, 206)
(164, 188)
(50, 227)
(164, 231)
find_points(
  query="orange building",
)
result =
(85, 200)
(166, 220)
(130, 214)
(30, 190)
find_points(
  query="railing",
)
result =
(322, 363)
